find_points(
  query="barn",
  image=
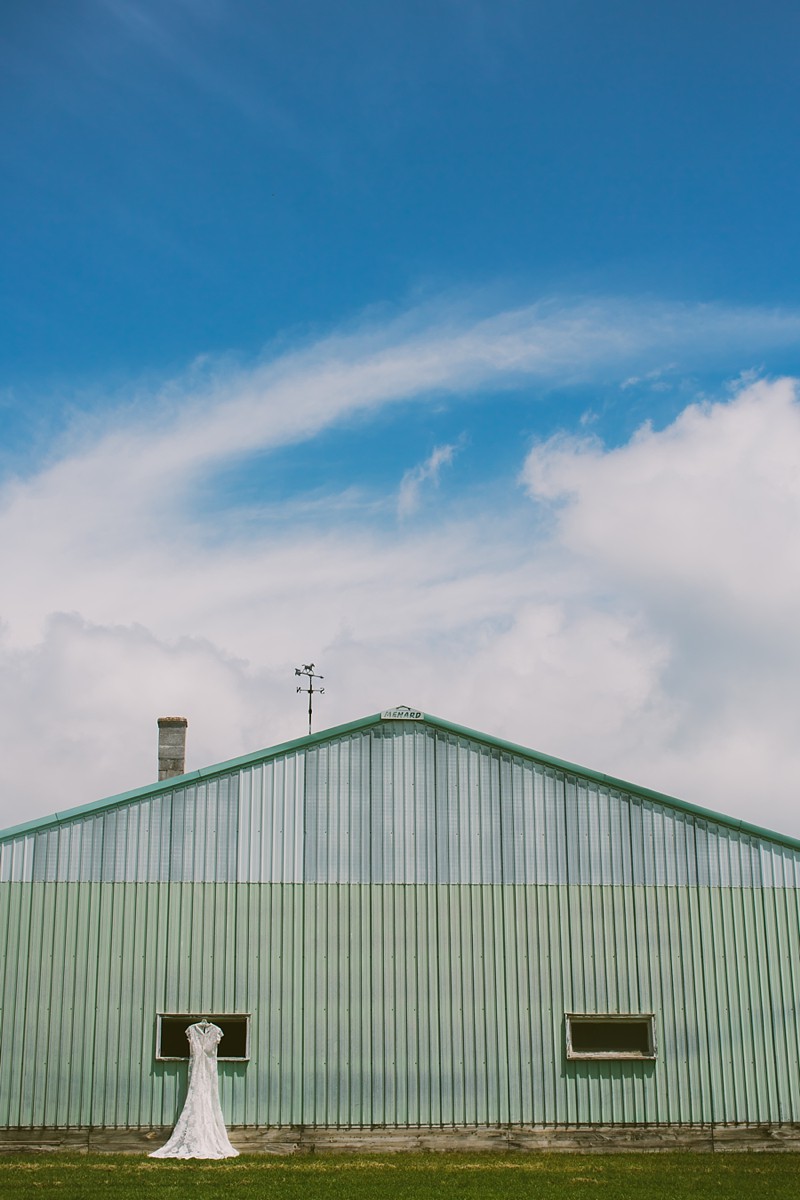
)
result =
(407, 930)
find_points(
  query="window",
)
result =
(171, 1040)
(611, 1035)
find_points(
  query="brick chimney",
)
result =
(171, 746)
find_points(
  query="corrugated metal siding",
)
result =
(407, 914)
(188, 834)
(271, 820)
(399, 804)
(396, 1004)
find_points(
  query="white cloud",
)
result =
(704, 513)
(647, 631)
(693, 531)
(411, 485)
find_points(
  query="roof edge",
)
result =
(166, 785)
(615, 782)
(324, 735)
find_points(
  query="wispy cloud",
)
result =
(220, 411)
(411, 485)
(654, 379)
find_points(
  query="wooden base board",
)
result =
(381, 1140)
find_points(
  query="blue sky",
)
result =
(396, 336)
(199, 178)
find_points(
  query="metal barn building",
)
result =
(403, 927)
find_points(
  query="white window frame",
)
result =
(191, 1019)
(612, 1019)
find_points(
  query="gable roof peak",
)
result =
(403, 712)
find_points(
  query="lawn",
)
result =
(676, 1176)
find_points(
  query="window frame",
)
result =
(606, 1018)
(191, 1019)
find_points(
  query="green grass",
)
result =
(676, 1176)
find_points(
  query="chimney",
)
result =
(171, 746)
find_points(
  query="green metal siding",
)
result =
(407, 910)
(399, 1004)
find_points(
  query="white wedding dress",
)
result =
(200, 1131)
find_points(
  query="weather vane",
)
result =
(307, 669)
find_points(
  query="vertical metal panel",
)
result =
(783, 983)
(271, 820)
(337, 809)
(393, 1004)
(191, 833)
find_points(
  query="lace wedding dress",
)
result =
(200, 1131)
